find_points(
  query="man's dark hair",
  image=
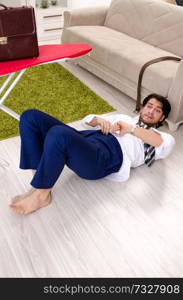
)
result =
(166, 107)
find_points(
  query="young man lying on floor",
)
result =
(121, 142)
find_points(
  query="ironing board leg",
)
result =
(10, 76)
(12, 85)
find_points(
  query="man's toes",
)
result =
(16, 209)
(21, 211)
(12, 206)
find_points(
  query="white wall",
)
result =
(15, 3)
(9, 3)
(82, 3)
(75, 3)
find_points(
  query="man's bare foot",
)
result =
(30, 203)
(20, 197)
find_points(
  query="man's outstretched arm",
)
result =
(148, 136)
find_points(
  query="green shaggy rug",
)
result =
(54, 90)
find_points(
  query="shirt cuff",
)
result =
(88, 119)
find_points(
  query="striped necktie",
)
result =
(149, 151)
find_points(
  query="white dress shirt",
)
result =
(132, 146)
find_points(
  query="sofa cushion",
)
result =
(152, 21)
(125, 55)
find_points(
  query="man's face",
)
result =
(152, 112)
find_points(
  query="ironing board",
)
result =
(47, 54)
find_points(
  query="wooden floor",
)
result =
(95, 228)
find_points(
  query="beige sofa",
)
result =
(126, 35)
(170, 1)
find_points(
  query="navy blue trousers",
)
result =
(47, 145)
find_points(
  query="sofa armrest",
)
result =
(176, 95)
(85, 16)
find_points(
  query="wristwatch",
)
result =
(133, 128)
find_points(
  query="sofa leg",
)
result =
(173, 126)
(136, 111)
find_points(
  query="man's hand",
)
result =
(106, 126)
(120, 128)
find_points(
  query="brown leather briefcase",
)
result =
(18, 36)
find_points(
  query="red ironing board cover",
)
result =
(47, 53)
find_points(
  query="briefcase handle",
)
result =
(5, 7)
